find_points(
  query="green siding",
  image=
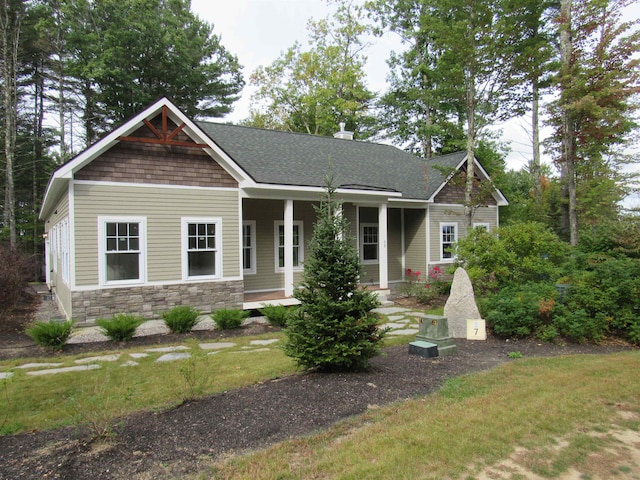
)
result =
(163, 209)
(394, 250)
(415, 239)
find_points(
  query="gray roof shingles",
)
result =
(285, 158)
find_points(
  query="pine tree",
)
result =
(334, 327)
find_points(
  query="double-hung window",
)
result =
(249, 246)
(448, 236)
(298, 245)
(201, 247)
(369, 242)
(121, 244)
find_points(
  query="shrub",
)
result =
(520, 311)
(50, 334)
(276, 314)
(228, 318)
(181, 319)
(426, 289)
(121, 327)
(15, 269)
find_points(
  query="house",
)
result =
(165, 210)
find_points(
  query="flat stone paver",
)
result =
(264, 342)
(177, 348)
(406, 331)
(390, 310)
(100, 358)
(130, 363)
(416, 314)
(77, 368)
(216, 345)
(394, 326)
(39, 365)
(397, 318)
(170, 357)
(138, 355)
(4, 375)
(251, 350)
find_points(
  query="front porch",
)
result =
(256, 300)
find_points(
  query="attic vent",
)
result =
(344, 134)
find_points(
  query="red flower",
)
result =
(408, 271)
(427, 286)
(418, 274)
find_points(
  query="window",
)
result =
(481, 225)
(201, 239)
(298, 245)
(249, 246)
(121, 246)
(369, 242)
(448, 236)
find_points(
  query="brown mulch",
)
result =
(181, 441)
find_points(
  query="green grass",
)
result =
(474, 421)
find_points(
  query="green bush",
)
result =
(181, 319)
(228, 318)
(50, 334)
(121, 327)
(520, 311)
(276, 314)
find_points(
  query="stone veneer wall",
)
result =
(151, 301)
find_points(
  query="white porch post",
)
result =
(288, 248)
(382, 246)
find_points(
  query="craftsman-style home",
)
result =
(165, 211)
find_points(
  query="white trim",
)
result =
(485, 225)
(376, 261)
(427, 231)
(403, 246)
(252, 239)
(152, 185)
(383, 268)
(184, 244)
(142, 259)
(455, 239)
(300, 225)
(88, 288)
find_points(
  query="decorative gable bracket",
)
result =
(163, 137)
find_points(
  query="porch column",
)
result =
(382, 246)
(288, 248)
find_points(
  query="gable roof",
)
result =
(258, 157)
(296, 159)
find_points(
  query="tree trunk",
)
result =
(568, 128)
(535, 123)
(10, 21)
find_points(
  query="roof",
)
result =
(297, 159)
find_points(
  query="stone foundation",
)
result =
(151, 301)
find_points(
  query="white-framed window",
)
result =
(298, 245)
(481, 225)
(369, 242)
(122, 250)
(249, 246)
(448, 236)
(201, 248)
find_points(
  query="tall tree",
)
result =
(315, 90)
(127, 53)
(11, 16)
(598, 84)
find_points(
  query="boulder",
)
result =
(461, 304)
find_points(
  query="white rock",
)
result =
(170, 357)
(77, 368)
(461, 304)
(101, 358)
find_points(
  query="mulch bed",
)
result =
(183, 440)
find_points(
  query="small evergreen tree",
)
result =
(334, 328)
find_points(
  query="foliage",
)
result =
(512, 255)
(50, 334)
(181, 319)
(334, 328)
(121, 327)
(195, 374)
(426, 289)
(276, 314)
(15, 269)
(229, 318)
(314, 90)
(520, 311)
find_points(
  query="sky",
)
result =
(258, 31)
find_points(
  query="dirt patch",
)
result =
(184, 440)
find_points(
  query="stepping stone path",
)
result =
(401, 321)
